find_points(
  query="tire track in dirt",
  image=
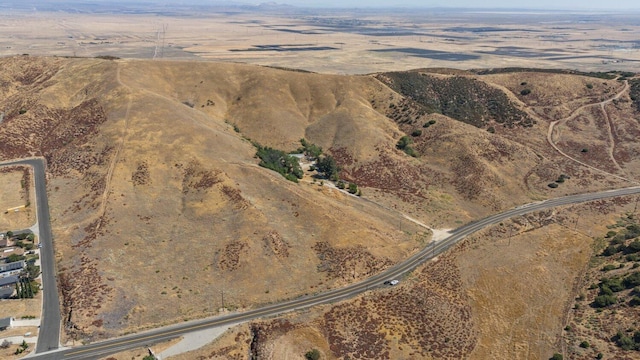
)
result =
(116, 157)
(612, 141)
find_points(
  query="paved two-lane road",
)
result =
(107, 347)
(49, 334)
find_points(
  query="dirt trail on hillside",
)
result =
(572, 116)
(116, 157)
(611, 141)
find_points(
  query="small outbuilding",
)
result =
(5, 323)
(7, 292)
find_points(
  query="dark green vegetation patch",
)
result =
(277, 160)
(461, 98)
(634, 92)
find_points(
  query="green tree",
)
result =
(327, 165)
(404, 142)
(604, 300)
(312, 355)
(353, 188)
(556, 356)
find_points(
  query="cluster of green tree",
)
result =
(351, 187)
(618, 241)
(404, 144)
(310, 150)
(428, 123)
(327, 166)
(628, 341)
(561, 179)
(281, 162)
(26, 288)
(610, 286)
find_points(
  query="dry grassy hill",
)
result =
(146, 173)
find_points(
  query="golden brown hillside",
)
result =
(160, 212)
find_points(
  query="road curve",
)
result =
(107, 347)
(49, 334)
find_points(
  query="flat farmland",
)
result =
(331, 41)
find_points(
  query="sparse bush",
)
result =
(556, 356)
(584, 150)
(22, 111)
(589, 86)
(585, 344)
(553, 185)
(5, 344)
(491, 129)
(525, 92)
(353, 188)
(416, 133)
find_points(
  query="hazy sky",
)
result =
(531, 4)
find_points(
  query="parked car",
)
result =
(391, 282)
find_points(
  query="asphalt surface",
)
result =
(101, 349)
(49, 334)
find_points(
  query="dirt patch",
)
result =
(16, 210)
